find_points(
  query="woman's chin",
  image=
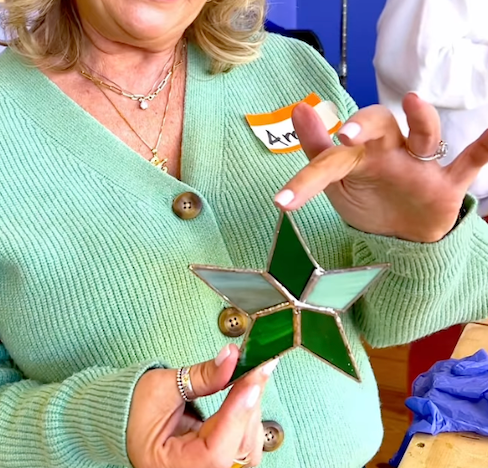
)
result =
(150, 21)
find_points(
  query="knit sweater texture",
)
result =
(94, 281)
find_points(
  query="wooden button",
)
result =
(273, 436)
(188, 205)
(233, 322)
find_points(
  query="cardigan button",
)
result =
(233, 322)
(188, 205)
(273, 436)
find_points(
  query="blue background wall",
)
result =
(284, 12)
(323, 17)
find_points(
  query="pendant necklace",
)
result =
(155, 160)
(142, 99)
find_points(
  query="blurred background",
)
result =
(323, 17)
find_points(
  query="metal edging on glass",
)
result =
(278, 286)
(264, 274)
(340, 326)
(297, 328)
(254, 318)
(299, 237)
(316, 277)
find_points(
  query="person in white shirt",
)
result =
(439, 50)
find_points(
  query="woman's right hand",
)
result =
(160, 434)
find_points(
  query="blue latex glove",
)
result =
(451, 397)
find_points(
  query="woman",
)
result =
(98, 98)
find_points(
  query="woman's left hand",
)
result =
(374, 183)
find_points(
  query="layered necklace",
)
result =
(144, 100)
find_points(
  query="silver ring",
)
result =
(183, 381)
(441, 152)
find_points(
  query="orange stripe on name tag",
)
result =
(256, 120)
(336, 128)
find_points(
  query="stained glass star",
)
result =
(293, 303)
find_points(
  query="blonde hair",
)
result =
(48, 32)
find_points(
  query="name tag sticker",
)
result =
(276, 129)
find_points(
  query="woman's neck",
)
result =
(133, 68)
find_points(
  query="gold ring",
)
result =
(241, 463)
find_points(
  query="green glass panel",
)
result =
(247, 290)
(321, 336)
(340, 289)
(290, 264)
(270, 336)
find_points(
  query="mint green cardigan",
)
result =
(94, 280)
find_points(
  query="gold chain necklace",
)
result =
(143, 99)
(155, 160)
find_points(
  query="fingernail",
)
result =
(253, 396)
(268, 368)
(284, 198)
(418, 95)
(351, 130)
(222, 356)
